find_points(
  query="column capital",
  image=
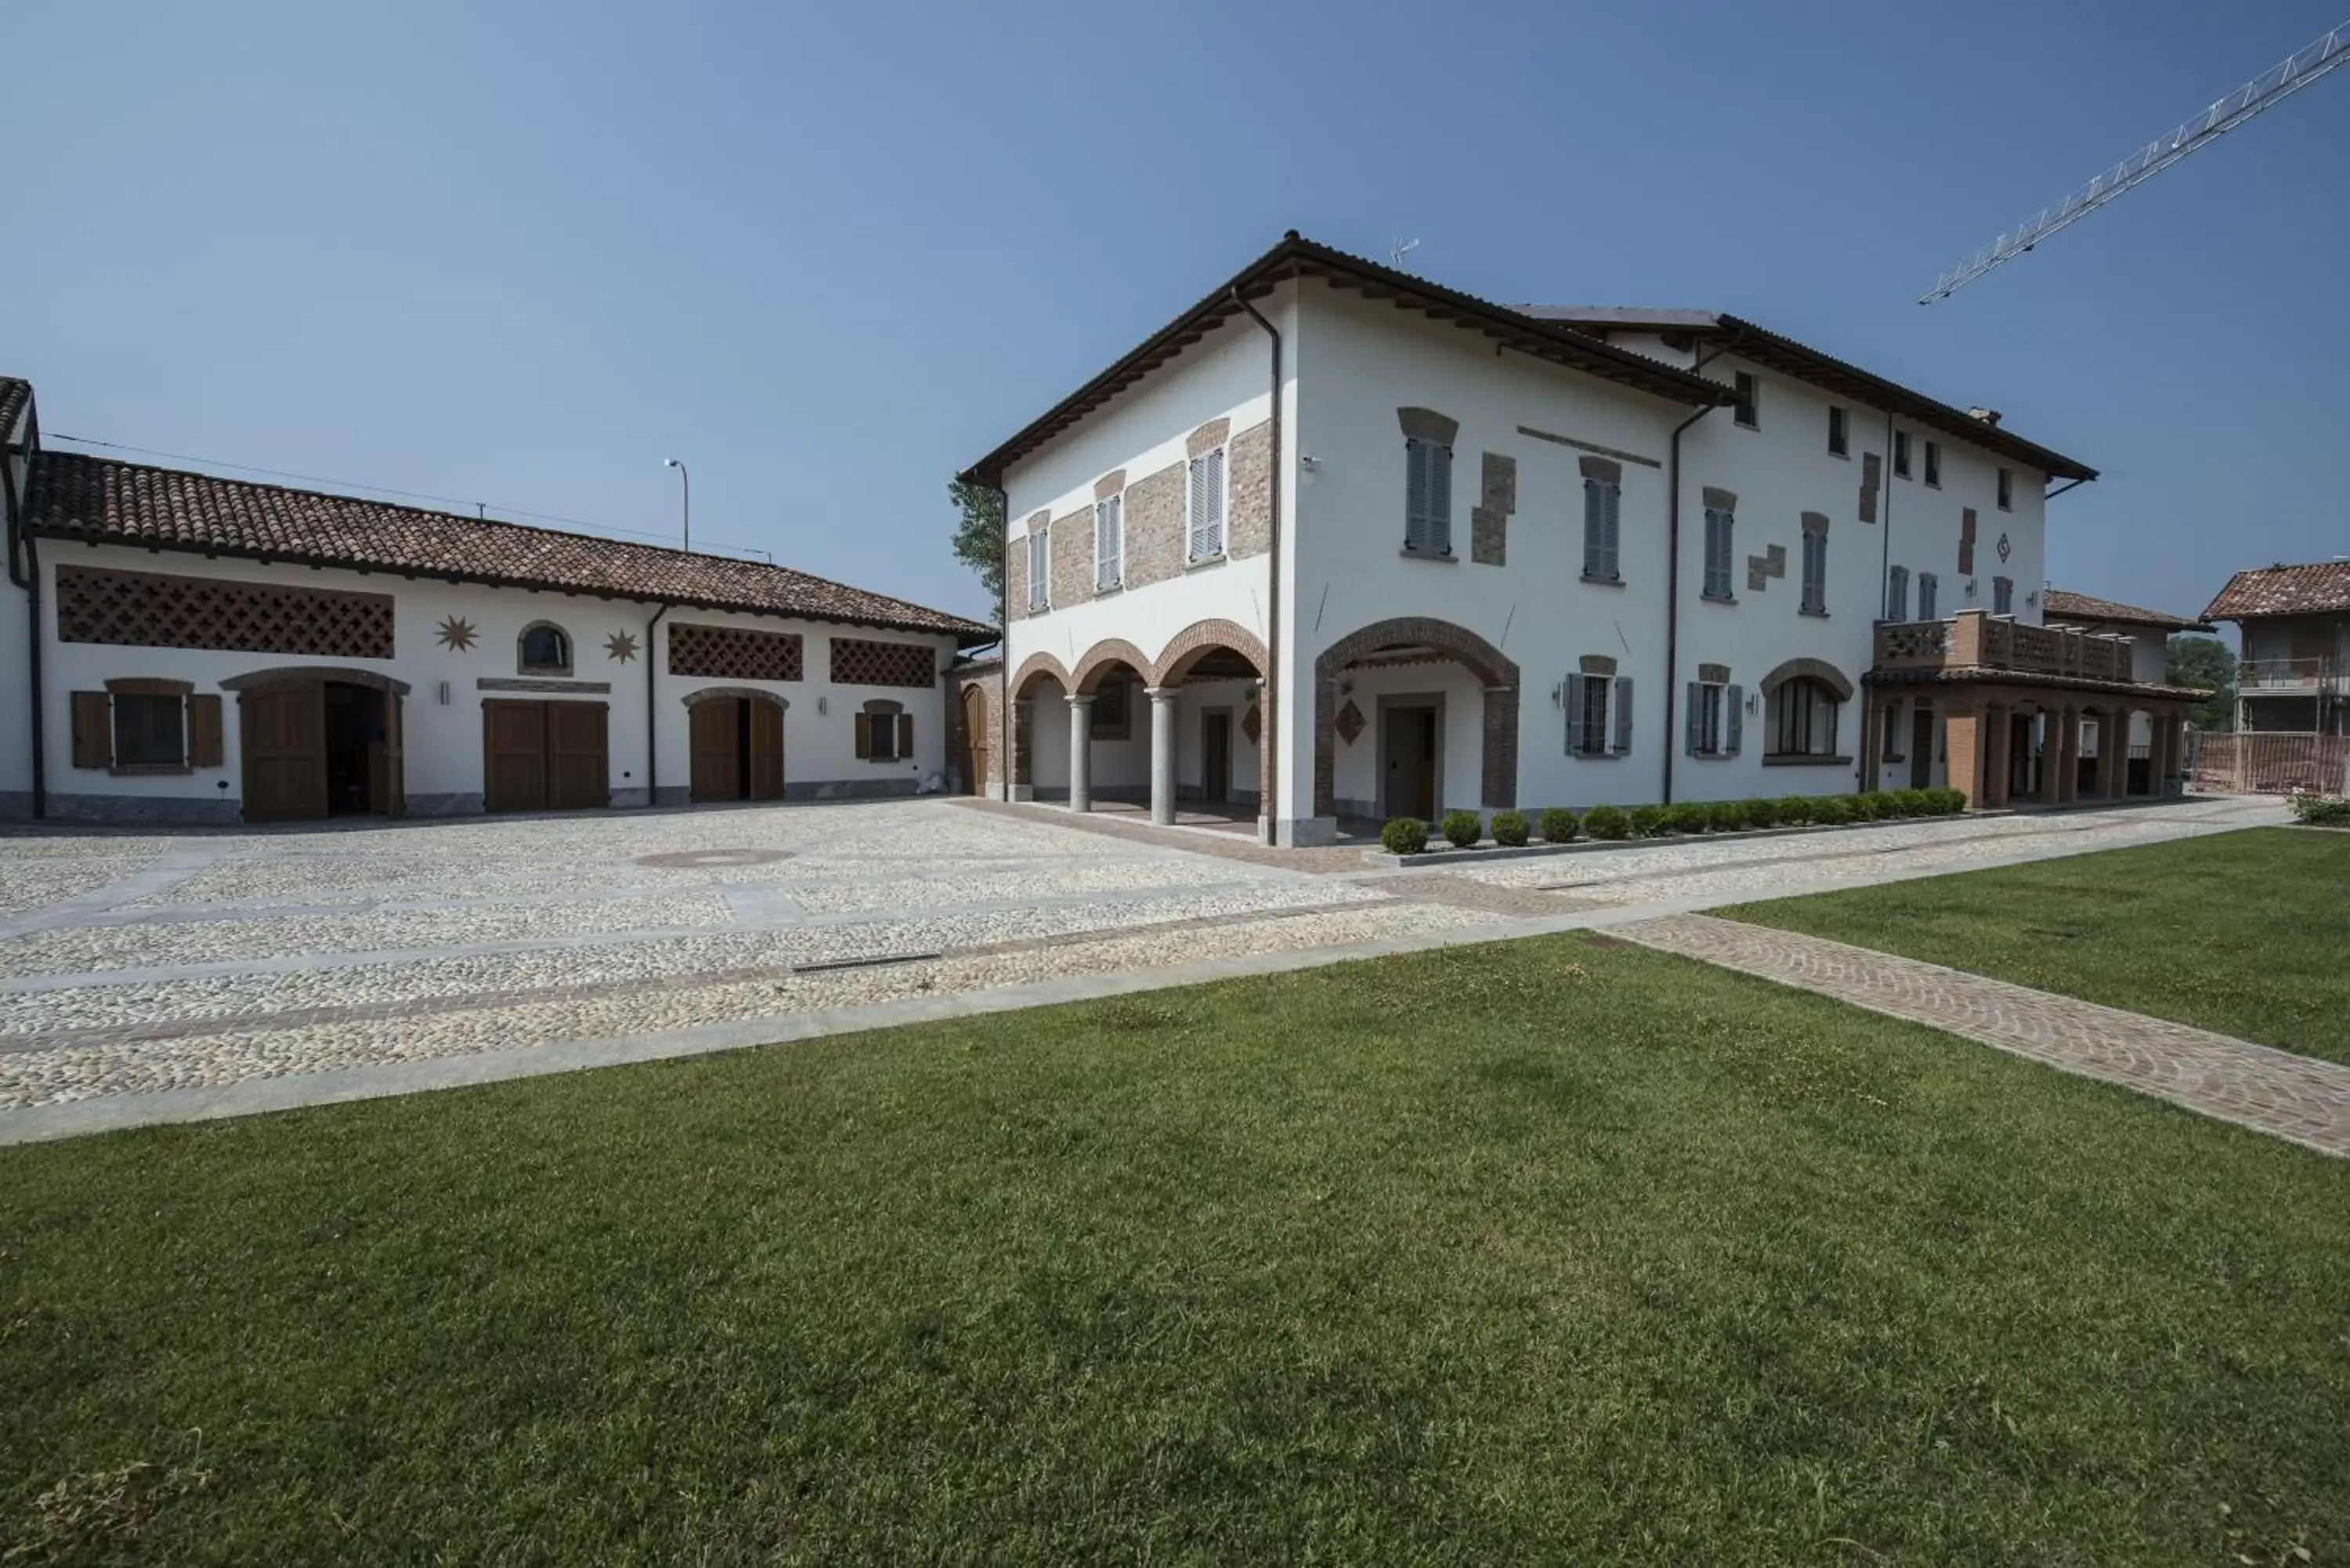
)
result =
(1162, 693)
(1080, 699)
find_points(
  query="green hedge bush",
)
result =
(1463, 829)
(1608, 822)
(1403, 835)
(1649, 821)
(1946, 801)
(1728, 816)
(1760, 812)
(1689, 817)
(1828, 810)
(1559, 825)
(2321, 810)
(1510, 829)
(1794, 810)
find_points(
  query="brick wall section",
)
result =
(1489, 520)
(1073, 557)
(1248, 516)
(1155, 543)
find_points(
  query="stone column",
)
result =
(1963, 752)
(2067, 750)
(1163, 754)
(2166, 756)
(1081, 752)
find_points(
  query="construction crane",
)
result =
(2264, 91)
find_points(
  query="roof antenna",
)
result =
(1400, 249)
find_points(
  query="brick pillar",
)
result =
(1963, 752)
(1023, 749)
(2166, 756)
(2113, 751)
(1994, 753)
(2067, 750)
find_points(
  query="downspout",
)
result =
(1269, 809)
(1004, 647)
(652, 697)
(1872, 713)
(29, 579)
(1673, 564)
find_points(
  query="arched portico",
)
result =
(1402, 640)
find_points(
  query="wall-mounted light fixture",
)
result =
(444, 693)
(821, 706)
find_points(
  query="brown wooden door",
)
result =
(767, 750)
(974, 741)
(513, 755)
(284, 731)
(393, 800)
(1921, 747)
(578, 769)
(1216, 757)
(714, 733)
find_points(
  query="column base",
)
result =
(1307, 831)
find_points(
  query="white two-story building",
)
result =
(1341, 543)
(176, 645)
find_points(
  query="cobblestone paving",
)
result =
(2273, 1091)
(132, 962)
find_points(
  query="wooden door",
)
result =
(767, 750)
(513, 755)
(1921, 747)
(284, 731)
(974, 741)
(714, 733)
(1216, 757)
(578, 768)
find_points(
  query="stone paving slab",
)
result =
(2272, 1091)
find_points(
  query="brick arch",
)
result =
(701, 694)
(1819, 670)
(1195, 642)
(1104, 656)
(1499, 775)
(1033, 665)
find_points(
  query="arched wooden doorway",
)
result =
(975, 738)
(319, 741)
(736, 736)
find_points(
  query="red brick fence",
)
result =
(2271, 763)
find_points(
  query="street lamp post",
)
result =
(687, 502)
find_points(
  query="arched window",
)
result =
(545, 649)
(1803, 718)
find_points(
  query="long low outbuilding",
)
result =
(177, 645)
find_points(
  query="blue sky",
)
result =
(828, 255)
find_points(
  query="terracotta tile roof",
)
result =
(2311, 589)
(13, 395)
(76, 496)
(2061, 605)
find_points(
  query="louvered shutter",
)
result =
(1039, 568)
(1415, 494)
(1208, 505)
(1927, 585)
(204, 749)
(1897, 593)
(1575, 715)
(905, 737)
(1108, 543)
(1733, 715)
(864, 735)
(1594, 556)
(1693, 736)
(1623, 714)
(93, 747)
(1439, 499)
(1610, 504)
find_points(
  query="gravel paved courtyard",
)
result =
(140, 965)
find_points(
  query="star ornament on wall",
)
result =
(621, 646)
(457, 633)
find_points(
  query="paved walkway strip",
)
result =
(2296, 1098)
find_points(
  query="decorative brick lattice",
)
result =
(149, 609)
(857, 663)
(730, 653)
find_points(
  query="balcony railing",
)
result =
(1973, 640)
(2283, 677)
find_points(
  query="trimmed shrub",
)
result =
(1403, 835)
(2320, 810)
(1689, 817)
(1794, 810)
(1463, 829)
(1728, 816)
(1760, 812)
(1606, 822)
(1946, 801)
(1908, 802)
(1510, 828)
(1559, 825)
(1649, 821)
(1829, 810)
(1868, 805)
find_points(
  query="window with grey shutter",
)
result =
(1934, 463)
(1109, 540)
(1746, 411)
(1208, 505)
(1623, 704)
(1718, 548)
(1576, 695)
(2006, 489)
(1897, 593)
(1427, 497)
(1927, 585)
(1816, 574)
(1039, 569)
(1602, 509)
(1900, 454)
(1733, 707)
(1839, 438)
(2003, 596)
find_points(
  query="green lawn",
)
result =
(2245, 933)
(1544, 1251)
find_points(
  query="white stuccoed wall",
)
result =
(443, 740)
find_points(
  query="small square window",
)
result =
(1901, 454)
(1745, 410)
(2006, 489)
(1934, 465)
(150, 732)
(1839, 438)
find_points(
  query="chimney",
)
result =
(1987, 416)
